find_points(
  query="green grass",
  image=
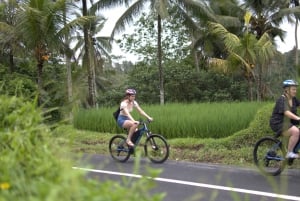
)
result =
(181, 149)
(196, 120)
(235, 149)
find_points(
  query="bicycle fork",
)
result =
(152, 141)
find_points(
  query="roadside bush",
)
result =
(258, 128)
(34, 166)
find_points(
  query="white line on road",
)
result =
(224, 188)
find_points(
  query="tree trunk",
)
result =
(68, 65)
(196, 61)
(69, 79)
(93, 68)
(11, 61)
(250, 85)
(91, 88)
(40, 80)
(159, 57)
(296, 45)
(259, 82)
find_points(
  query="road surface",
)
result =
(186, 181)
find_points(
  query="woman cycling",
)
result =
(125, 120)
(284, 119)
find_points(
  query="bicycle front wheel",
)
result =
(118, 148)
(269, 156)
(156, 148)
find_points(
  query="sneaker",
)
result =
(292, 155)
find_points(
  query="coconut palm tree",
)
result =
(267, 17)
(9, 41)
(38, 23)
(99, 48)
(42, 27)
(198, 13)
(247, 50)
(159, 7)
(295, 3)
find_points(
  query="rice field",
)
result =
(177, 120)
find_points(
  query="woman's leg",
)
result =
(131, 127)
(293, 134)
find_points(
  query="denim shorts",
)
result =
(121, 120)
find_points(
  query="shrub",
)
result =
(35, 167)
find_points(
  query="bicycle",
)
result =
(156, 147)
(269, 155)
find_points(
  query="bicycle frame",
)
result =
(156, 147)
(137, 135)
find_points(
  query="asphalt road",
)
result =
(185, 181)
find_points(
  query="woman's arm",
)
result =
(142, 112)
(291, 115)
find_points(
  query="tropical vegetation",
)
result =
(54, 66)
(46, 45)
(34, 165)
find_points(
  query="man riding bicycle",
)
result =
(284, 120)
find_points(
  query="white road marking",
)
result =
(224, 188)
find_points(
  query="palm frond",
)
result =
(228, 21)
(231, 41)
(127, 17)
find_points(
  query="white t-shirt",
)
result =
(129, 107)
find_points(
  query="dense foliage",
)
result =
(34, 165)
(46, 66)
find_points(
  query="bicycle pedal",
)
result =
(290, 161)
(131, 150)
(272, 153)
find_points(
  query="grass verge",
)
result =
(233, 150)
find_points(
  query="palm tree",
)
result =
(247, 50)
(295, 3)
(9, 34)
(87, 60)
(42, 26)
(267, 16)
(38, 22)
(98, 50)
(198, 13)
(159, 7)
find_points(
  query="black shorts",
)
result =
(278, 129)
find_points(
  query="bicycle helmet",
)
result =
(130, 92)
(289, 83)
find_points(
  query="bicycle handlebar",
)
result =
(144, 121)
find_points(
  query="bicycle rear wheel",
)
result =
(118, 148)
(269, 156)
(156, 148)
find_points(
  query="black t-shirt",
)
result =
(278, 120)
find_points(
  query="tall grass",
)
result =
(196, 120)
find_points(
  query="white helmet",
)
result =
(289, 83)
